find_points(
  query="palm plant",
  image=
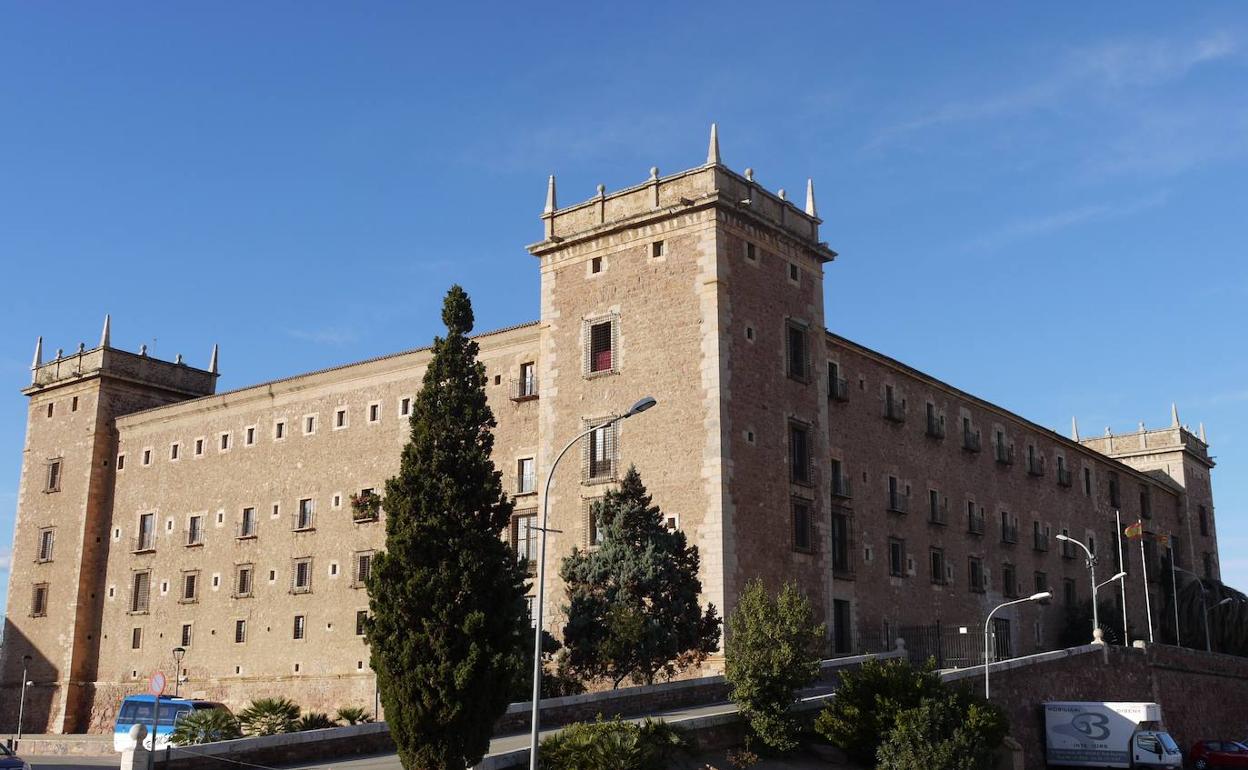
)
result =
(205, 726)
(315, 720)
(270, 716)
(353, 715)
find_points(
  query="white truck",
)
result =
(1103, 734)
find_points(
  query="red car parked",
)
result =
(1205, 754)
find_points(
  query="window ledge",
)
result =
(198, 544)
(603, 373)
(526, 494)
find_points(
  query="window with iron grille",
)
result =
(301, 576)
(240, 631)
(600, 346)
(301, 622)
(53, 481)
(937, 558)
(39, 600)
(937, 507)
(304, 515)
(800, 469)
(136, 638)
(975, 574)
(140, 591)
(935, 422)
(526, 476)
(797, 351)
(190, 586)
(894, 405)
(363, 568)
(526, 384)
(524, 535)
(361, 620)
(186, 635)
(898, 496)
(46, 539)
(838, 386)
(970, 436)
(599, 452)
(896, 557)
(803, 537)
(974, 518)
(842, 546)
(243, 580)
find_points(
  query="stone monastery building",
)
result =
(154, 512)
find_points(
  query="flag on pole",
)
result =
(1135, 531)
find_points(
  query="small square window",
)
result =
(405, 406)
(340, 419)
(301, 623)
(73, 404)
(656, 249)
(136, 638)
(240, 633)
(751, 252)
(147, 457)
(121, 462)
(175, 449)
(794, 273)
(199, 447)
(309, 425)
(279, 430)
(595, 265)
(186, 635)
(374, 412)
(249, 436)
(225, 442)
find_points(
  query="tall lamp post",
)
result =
(21, 706)
(636, 408)
(988, 621)
(178, 653)
(1091, 562)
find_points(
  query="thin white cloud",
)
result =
(6, 560)
(1043, 224)
(1105, 69)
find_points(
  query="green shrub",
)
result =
(773, 650)
(353, 715)
(611, 745)
(270, 716)
(314, 720)
(954, 731)
(864, 709)
(205, 726)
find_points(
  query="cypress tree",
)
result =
(448, 623)
(633, 602)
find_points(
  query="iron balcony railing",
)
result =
(838, 389)
(1005, 454)
(970, 441)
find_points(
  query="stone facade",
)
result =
(223, 523)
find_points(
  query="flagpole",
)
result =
(1148, 605)
(1122, 584)
(1174, 593)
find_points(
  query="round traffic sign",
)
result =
(156, 685)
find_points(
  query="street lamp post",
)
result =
(988, 621)
(21, 706)
(636, 408)
(178, 653)
(1096, 618)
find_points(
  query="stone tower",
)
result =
(1176, 455)
(61, 538)
(699, 288)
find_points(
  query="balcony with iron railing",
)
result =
(1063, 476)
(1040, 540)
(194, 535)
(246, 529)
(838, 389)
(302, 521)
(1009, 533)
(971, 441)
(975, 523)
(1068, 549)
(145, 542)
(938, 513)
(935, 426)
(841, 485)
(898, 502)
(1035, 465)
(524, 389)
(1004, 454)
(895, 410)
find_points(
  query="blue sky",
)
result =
(1041, 203)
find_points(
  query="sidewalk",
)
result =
(75, 744)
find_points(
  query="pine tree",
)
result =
(633, 602)
(448, 621)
